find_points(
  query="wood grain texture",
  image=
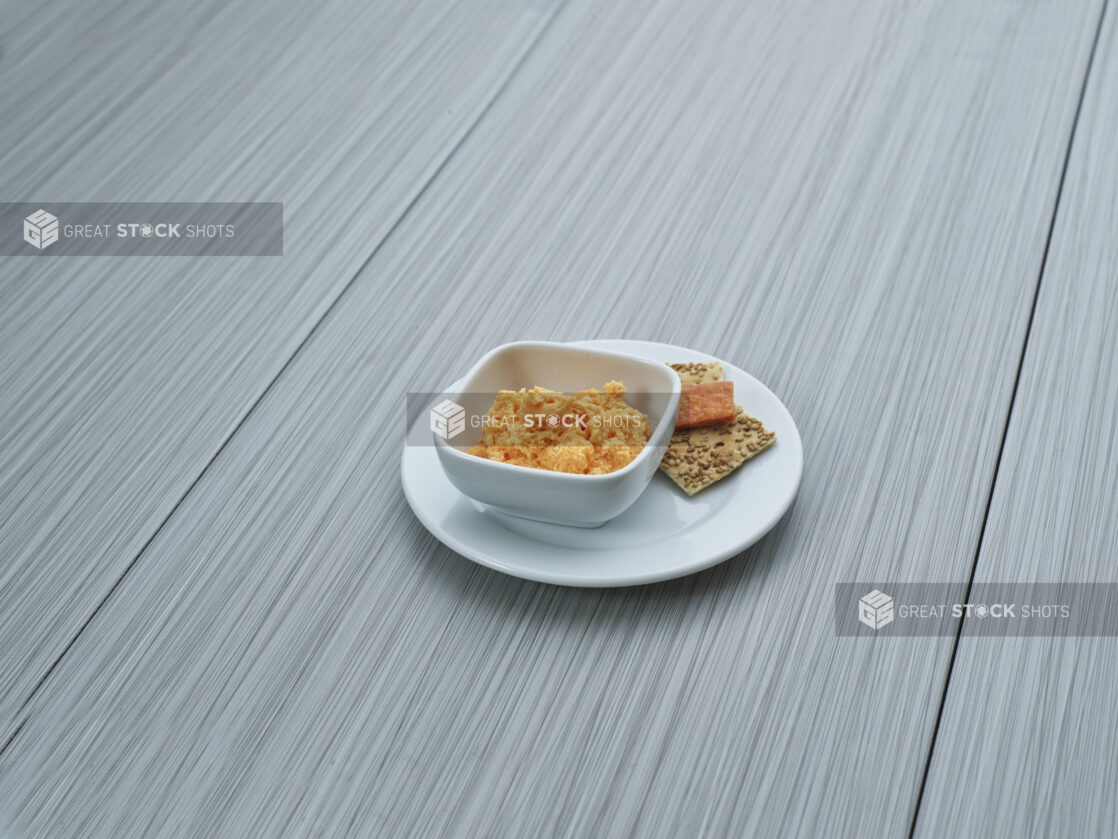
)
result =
(123, 377)
(1028, 745)
(851, 202)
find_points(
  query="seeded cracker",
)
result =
(697, 457)
(698, 372)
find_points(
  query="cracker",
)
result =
(697, 457)
(708, 403)
(697, 372)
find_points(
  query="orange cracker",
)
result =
(708, 403)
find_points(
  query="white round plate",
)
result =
(663, 535)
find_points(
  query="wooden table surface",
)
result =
(218, 616)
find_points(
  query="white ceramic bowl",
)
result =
(580, 500)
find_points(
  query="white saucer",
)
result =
(663, 535)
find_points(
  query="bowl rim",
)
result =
(444, 447)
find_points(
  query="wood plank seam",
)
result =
(327, 313)
(1009, 413)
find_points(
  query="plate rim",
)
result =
(485, 558)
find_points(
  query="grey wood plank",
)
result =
(69, 69)
(1028, 744)
(123, 377)
(851, 202)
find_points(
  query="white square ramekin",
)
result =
(556, 497)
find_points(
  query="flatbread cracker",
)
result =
(697, 372)
(697, 457)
